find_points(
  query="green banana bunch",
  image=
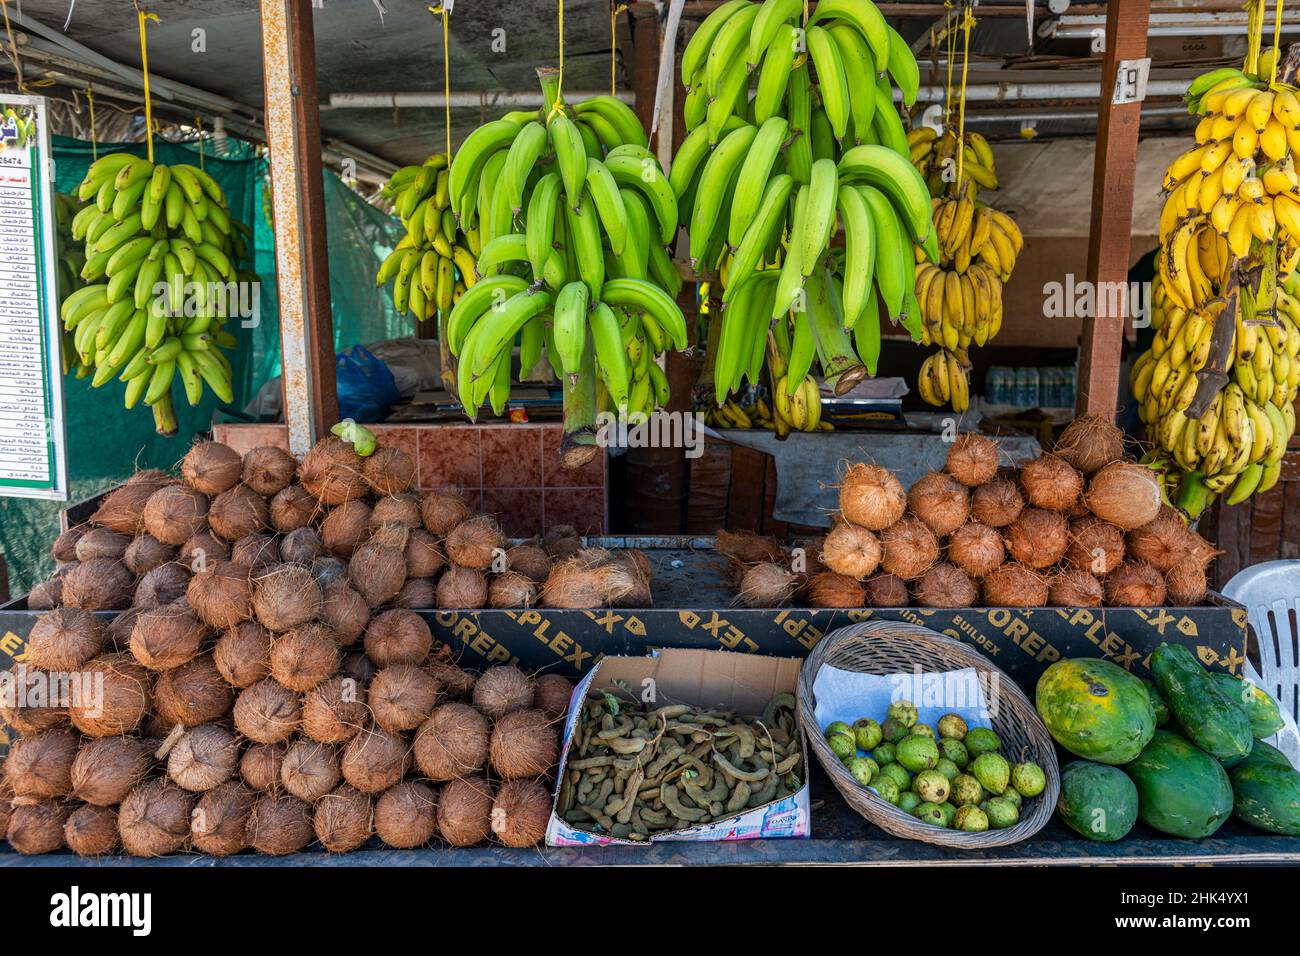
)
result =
(71, 258)
(765, 182)
(430, 268)
(573, 214)
(160, 252)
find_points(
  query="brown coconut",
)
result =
(462, 588)
(406, 815)
(1125, 494)
(154, 818)
(279, 824)
(402, 508)
(260, 765)
(465, 811)
(851, 551)
(106, 768)
(972, 459)
(1051, 483)
(117, 635)
(332, 472)
(1038, 538)
(100, 584)
(1202, 550)
(268, 470)
(242, 654)
(359, 667)
(146, 553)
(390, 534)
(346, 528)
(1071, 587)
(292, 507)
(305, 656)
(997, 503)
(767, 585)
(118, 703)
(562, 541)
(1014, 585)
(39, 766)
(310, 770)
(1090, 442)
(401, 697)
(219, 822)
(746, 548)
(102, 543)
(1096, 546)
(1185, 583)
(238, 512)
(1135, 584)
(343, 819)
(175, 513)
(167, 636)
(257, 552)
(871, 497)
(64, 639)
(200, 550)
(398, 636)
(456, 682)
(29, 701)
(222, 595)
(377, 573)
(524, 745)
(442, 511)
(165, 584)
(417, 593)
(37, 828)
(885, 590)
(475, 542)
(502, 690)
(204, 757)
(193, 693)
(389, 471)
(520, 813)
(454, 742)
(551, 693)
(374, 760)
(64, 548)
(940, 501)
(91, 831)
(1163, 541)
(267, 712)
(285, 597)
(512, 590)
(976, 548)
(909, 549)
(46, 595)
(424, 558)
(527, 559)
(123, 508)
(946, 585)
(345, 611)
(335, 710)
(211, 467)
(829, 589)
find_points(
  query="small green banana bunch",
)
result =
(572, 215)
(71, 258)
(430, 268)
(160, 250)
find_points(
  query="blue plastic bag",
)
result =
(366, 387)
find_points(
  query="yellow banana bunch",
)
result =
(160, 254)
(943, 380)
(935, 157)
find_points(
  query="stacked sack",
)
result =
(262, 685)
(1079, 527)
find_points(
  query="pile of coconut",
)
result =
(1081, 526)
(264, 684)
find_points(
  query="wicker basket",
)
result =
(891, 647)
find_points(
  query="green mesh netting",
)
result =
(107, 442)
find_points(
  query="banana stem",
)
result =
(446, 361)
(704, 384)
(164, 416)
(578, 445)
(549, 77)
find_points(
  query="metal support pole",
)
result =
(1109, 239)
(298, 207)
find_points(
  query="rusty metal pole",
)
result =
(298, 208)
(1123, 84)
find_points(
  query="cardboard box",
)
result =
(741, 682)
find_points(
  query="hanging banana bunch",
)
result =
(430, 269)
(572, 215)
(1229, 243)
(161, 253)
(71, 258)
(764, 183)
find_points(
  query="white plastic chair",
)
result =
(1271, 593)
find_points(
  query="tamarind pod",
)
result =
(591, 762)
(669, 711)
(602, 819)
(739, 797)
(633, 745)
(653, 817)
(784, 701)
(602, 795)
(731, 770)
(788, 764)
(746, 738)
(629, 797)
(675, 806)
(620, 730)
(765, 795)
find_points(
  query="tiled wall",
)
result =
(509, 471)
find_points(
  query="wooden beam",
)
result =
(1112, 213)
(298, 207)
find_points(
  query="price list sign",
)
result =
(32, 455)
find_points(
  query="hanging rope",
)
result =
(950, 53)
(198, 122)
(614, 10)
(13, 47)
(94, 140)
(559, 89)
(144, 68)
(1277, 41)
(968, 23)
(443, 10)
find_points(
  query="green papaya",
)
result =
(1095, 709)
(1182, 790)
(1157, 702)
(1213, 720)
(1266, 795)
(1097, 801)
(1261, 710)
(1266, 753)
